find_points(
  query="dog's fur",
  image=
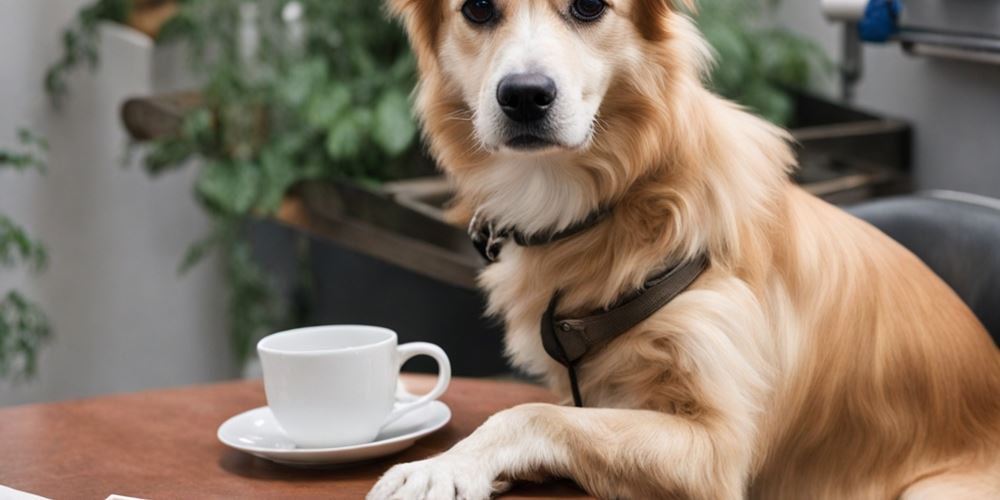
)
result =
(816, 358)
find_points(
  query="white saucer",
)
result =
(257, 432)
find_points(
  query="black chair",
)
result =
(955, 234)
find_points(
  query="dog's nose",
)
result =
(526, 97)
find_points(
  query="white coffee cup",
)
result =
(332, 386)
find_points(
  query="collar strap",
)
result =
(489, 239)
(568, 340)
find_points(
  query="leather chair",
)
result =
(955, 234)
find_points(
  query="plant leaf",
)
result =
(24, 327)
(229, 187)
(394, 129)
(343, 141)
(327, 107)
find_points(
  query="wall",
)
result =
(955, 106)
(124, 320)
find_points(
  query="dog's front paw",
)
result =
(439, 478)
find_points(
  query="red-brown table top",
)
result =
(162, 444)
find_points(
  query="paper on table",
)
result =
(12, 494)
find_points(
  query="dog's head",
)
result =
(549, 84)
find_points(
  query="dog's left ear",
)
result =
(421, 18)
(650, 16)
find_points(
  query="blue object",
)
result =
(881, 20)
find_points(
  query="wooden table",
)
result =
(162, 445)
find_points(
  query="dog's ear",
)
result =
(422, 19)
(650, 16)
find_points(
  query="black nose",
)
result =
(526, 97)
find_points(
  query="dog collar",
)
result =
(568, 340)
(489, 238)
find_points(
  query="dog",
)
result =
(815, 358)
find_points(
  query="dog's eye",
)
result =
(479, 11)
(587, 10)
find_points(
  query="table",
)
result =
(161, 444)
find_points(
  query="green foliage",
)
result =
(23, 329)
(754, 60)
(80, 41)
(17, 247)
(31, 158)
(23, 325)
(322, 99)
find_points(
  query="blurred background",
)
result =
(180, 178)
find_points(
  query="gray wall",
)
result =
(124, 320)
(954, 106)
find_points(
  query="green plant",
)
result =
(323, 97)
(757, 62)
(24, 327)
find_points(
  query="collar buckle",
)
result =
(489, 239)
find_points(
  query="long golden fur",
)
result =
(815, 359)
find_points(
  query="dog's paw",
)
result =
(440, 478)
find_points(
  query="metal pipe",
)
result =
(851, 62)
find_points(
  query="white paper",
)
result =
(12, 494)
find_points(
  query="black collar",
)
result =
(489, 239)
(568, 341)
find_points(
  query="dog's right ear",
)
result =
(422, 19)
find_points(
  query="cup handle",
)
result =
(407, 351)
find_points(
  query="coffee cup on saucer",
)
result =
(333, 386)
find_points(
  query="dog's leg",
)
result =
(711, 339)
(611, 453)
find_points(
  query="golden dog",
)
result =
(815, 358)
